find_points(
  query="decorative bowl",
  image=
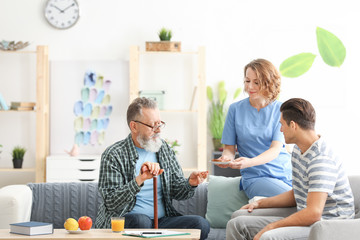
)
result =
(12, 45)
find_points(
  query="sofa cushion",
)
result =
(195, 205)
(15, 204)
(224, 197)
(354, 181)
(217, 234)
(55, 202)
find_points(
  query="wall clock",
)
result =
(62, 14)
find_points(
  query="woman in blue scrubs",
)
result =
(252, 127)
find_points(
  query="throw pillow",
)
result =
(224, 198)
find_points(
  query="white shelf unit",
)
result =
(41, 111)
(199, 112)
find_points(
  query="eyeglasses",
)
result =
(154, 128)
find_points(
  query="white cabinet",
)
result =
(63, 168)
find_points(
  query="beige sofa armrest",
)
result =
(15, 204)
(335, 230)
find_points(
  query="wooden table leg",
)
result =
(155, 203)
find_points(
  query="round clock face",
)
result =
(62, 14)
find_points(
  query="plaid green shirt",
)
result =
(118, 187)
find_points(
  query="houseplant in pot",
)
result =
(173, 144)
(165, 34)
(18, 153)
(165, 43)
(217, 112)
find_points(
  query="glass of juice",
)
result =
(117, 224)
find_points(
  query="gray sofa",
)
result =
(54, 202)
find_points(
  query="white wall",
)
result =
(233, 32)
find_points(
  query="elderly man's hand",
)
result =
(147, 171)
(197, 177)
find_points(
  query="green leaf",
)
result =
(209, 93)
(237, 93)
(165, 34)
(297, 65)
(217, 119)
(221, 85)
(331, 49)
(222, 92)
(222, 95)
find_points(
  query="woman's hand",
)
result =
(240, 163)
(223, 158)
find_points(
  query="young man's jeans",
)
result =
(187, 221)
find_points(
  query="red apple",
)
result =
(85, 223)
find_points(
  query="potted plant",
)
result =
(217, 112)
(173, 145)
(18, 153)
(165, 43)
(165, 34)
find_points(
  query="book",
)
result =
(22, 104)
(22, 108)
(3, 103)
(32, 228)
(154, 233)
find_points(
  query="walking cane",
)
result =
(155, 203)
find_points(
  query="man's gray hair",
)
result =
(134, 111)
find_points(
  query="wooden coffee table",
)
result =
(97, 234)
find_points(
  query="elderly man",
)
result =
(127, 171)
(320, 189)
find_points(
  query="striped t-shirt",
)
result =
(319, 170)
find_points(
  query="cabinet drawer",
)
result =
(73, 163)
(73, 175)
(72, 169)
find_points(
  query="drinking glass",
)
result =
(117, 224)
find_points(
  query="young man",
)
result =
(127, 170)
(320, 189)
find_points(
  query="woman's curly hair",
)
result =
(268, 76)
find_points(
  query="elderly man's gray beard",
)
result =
(152, 144)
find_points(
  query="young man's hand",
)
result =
(265, 229)
(251, 206)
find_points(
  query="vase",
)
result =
(218, 146)
(18, 163)
(74, 151)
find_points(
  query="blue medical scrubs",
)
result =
(252, 131)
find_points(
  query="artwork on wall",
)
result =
(88, 103)
(92, 112)
(331, 49)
